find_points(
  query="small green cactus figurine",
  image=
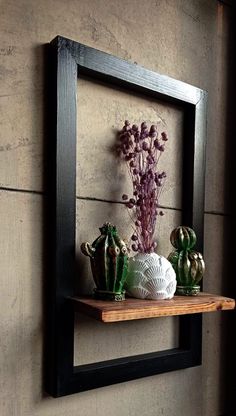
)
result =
(188, 264)
(109, 263)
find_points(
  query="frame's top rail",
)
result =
(118, 70)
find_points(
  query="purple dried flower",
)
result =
(152, 135)
(142, 159)
(150, 159)
(164, 136)
(122, 137)
(144, 134)
(136, 137)
(134, 247)
(132, 164)
(153, 128)
(156, 144)
(126, 128)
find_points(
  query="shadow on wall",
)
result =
(228, 337)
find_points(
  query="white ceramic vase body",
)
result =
(150, 276)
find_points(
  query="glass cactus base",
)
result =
(187, 290)
(107, 295)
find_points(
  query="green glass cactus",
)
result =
(188, 264)
(109, 263)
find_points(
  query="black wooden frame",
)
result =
(69, 60)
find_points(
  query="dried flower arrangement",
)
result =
(141, 148)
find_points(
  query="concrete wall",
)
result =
(187, 40)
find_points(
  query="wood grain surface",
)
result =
(107, 311)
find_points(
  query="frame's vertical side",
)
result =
(63, 217)
(199, 169)
(190, 336)
(188, 165)
(194, 167)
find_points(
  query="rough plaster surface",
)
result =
(122, 339)
(180, 38)
(102, 111)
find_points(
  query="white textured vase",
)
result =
(150, 276)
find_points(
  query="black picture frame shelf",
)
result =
(69, 60)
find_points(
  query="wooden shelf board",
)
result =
(130, 309)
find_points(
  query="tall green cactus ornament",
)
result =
(188, 264)
(109, 263)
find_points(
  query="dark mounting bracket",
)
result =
(70, 60)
